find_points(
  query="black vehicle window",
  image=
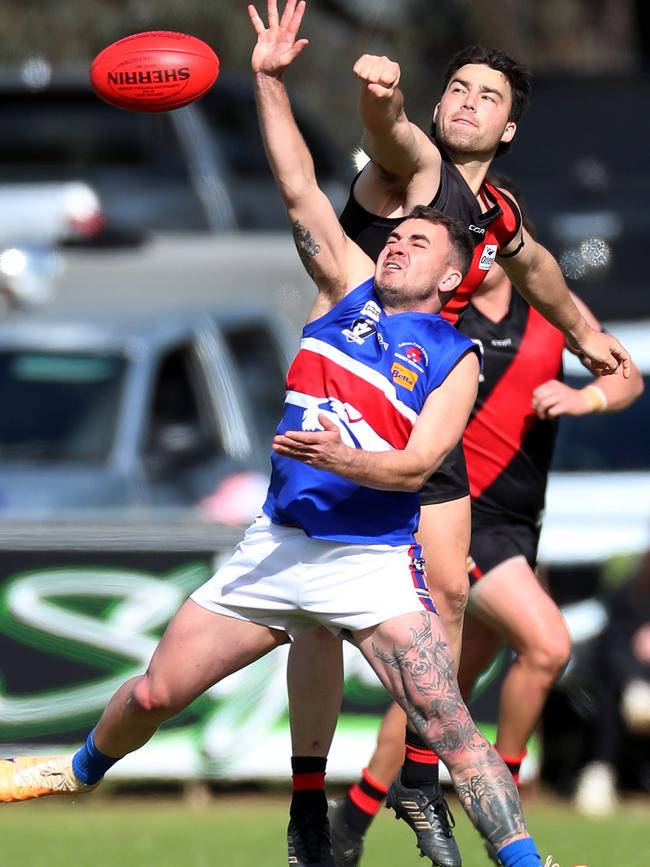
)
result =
(260, 373)
(58, 406)
(179, 427)
(133, 160)
(232, 114)
(55, 135)
(605, 442)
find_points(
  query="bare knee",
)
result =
(550, 656)
(450, 591)
(452, 601)
(152, 698)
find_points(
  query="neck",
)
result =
(394, 302)
(473, 167)
(410, 307)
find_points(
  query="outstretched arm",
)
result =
(602, 394)
(536, 274)
(334, 262)
(402, 156)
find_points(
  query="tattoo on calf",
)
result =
(305, 244)
(493, 805)
(433, 702)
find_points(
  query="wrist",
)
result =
(269, 79)
(595, 397)
(579, 330)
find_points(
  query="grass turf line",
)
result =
(235, 831)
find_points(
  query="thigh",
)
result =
(510, 599)
(444, 534)
(411, 656)
(200, 647)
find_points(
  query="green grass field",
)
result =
(247, 831)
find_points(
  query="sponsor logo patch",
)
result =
(487, 257)
(403, 376)
(371, 310)
(360, 331)
(413, 354)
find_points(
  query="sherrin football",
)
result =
(155, 71)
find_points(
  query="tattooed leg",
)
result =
(412, 658)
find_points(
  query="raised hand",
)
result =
(277, 46)
(380, 74)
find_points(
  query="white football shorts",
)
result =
(279, 577)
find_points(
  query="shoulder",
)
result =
(510, 220)
(448, 341)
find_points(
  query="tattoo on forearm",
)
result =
(306, 246)
(427, 687)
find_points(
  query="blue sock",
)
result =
(89, 764)
(522, 852)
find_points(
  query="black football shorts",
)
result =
(496, 540)
(449, 482)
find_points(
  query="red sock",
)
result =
(513, 763)
(363, 802)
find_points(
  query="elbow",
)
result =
(636, 386)
(639, 386)
(416, 481)
(412, 485)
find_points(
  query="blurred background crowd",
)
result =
(151, 300)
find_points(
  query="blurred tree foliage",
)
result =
(575, 35)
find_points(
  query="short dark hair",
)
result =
(517, 74)
(459, 236)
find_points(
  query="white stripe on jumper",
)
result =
(363, 371)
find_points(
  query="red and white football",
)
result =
(155, 71)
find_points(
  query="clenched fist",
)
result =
(380, 74)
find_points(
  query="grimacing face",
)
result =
(472, 115)
(413, 268)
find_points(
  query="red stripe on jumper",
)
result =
(496, 432)
(315, 374)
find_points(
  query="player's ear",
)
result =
(448, 285)
(435, 112)
(509, 132)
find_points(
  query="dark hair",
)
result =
(459, 236)
(518, 77)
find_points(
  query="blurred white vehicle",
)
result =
(49, 212)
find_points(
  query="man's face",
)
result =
(412, 270)
(472, 116)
